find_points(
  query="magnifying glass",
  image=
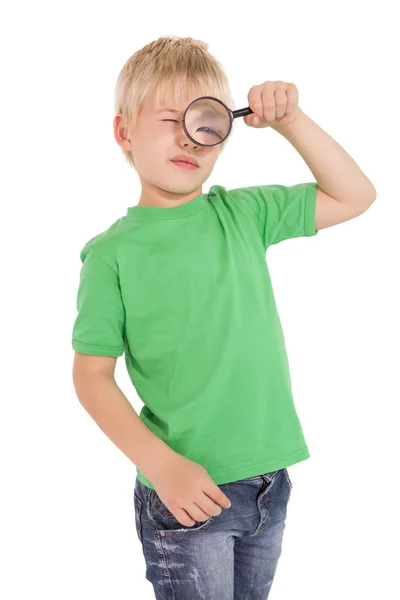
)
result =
(207, 121)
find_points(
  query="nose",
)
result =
(184, 138)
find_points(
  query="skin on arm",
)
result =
(103, 399)
(183, 485)
(344, 191)
(329, 211)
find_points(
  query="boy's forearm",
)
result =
(104, 400)
(333, 168)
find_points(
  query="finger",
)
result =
(216, 494)
(208, 506)
(268, 101)
(255, 103)
(292, 96)
(198, 514)
(183, 517)
(280, 100)
(251, 119)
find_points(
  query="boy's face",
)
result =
(157, 138)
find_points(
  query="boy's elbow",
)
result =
(366, 203)
(372, 197)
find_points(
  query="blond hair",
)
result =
(163, 71)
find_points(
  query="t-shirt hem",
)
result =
(310, 208)
(97, 350)
(221, 477)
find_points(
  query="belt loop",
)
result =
(269, 476)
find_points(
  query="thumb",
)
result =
(252, 120)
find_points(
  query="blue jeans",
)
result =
(232, 556)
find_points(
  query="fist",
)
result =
(274, 104)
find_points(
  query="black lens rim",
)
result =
(228, 110)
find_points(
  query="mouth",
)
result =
(185, 165)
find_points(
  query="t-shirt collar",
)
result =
(156, 212)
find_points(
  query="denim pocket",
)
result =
(138, 514)
(167, 523)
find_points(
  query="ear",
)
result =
(120, 134)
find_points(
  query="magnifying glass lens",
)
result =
(207, 121)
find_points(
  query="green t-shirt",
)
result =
(186, 293)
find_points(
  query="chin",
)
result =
(181, 191)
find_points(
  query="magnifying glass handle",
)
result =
(241, 112)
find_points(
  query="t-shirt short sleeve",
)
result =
(281, 212)
(99, 327)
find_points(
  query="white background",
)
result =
(67, 514)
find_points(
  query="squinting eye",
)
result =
(173, 120)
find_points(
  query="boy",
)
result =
(181, 285)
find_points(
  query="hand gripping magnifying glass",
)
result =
(207, 121)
